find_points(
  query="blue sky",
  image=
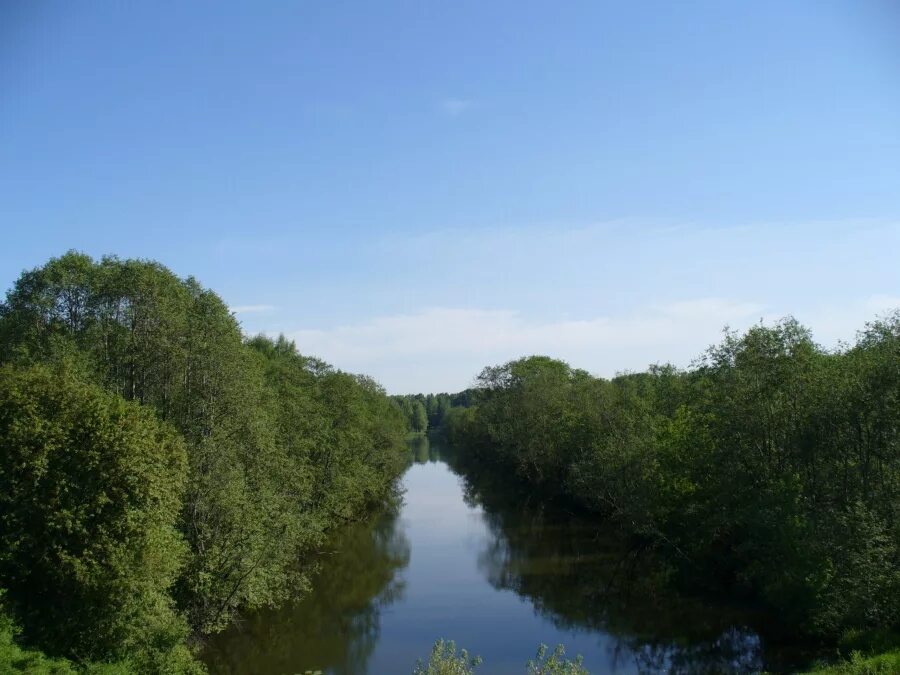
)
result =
(415, 190)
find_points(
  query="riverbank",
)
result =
(474, 557)
(765, 474)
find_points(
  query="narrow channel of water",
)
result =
(496, 572)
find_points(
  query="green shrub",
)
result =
(857, 664)
(445, 661)
(555, 663)
(90, 490)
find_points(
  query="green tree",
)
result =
(90, 490)
(419, 417)
(769, 471)
(265, 478)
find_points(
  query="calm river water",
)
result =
(497, 573)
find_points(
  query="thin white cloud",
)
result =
(443, 349)
(606, 297)
(834, 323)
(454, 107)
(882, 303)
(251, 309)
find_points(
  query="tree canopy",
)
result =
(769, 471)
(185, 471)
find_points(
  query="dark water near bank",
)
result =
(500, 574)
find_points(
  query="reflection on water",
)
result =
(423, 450)
(468, 558)
(583, 582)
(336, 626)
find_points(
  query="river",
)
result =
(499, 573)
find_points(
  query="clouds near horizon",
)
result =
(408, 353)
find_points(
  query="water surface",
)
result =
(499, 573)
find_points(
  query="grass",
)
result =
(887, 663)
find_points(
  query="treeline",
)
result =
(769, 471)
(427, 411)
(160, 473)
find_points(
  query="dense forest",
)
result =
(423, 412)
(160, 472)
(769, 472)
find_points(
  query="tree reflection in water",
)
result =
(580, 581)
(584, 581)
(336, 626)
(423, 451)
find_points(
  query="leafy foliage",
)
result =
(771, 470)
(880, 664)
(555, 663)
(445, 661)
(90, 489)
(423, 411)
(275, 449)
(15, 659)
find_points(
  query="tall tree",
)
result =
(90, 491)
